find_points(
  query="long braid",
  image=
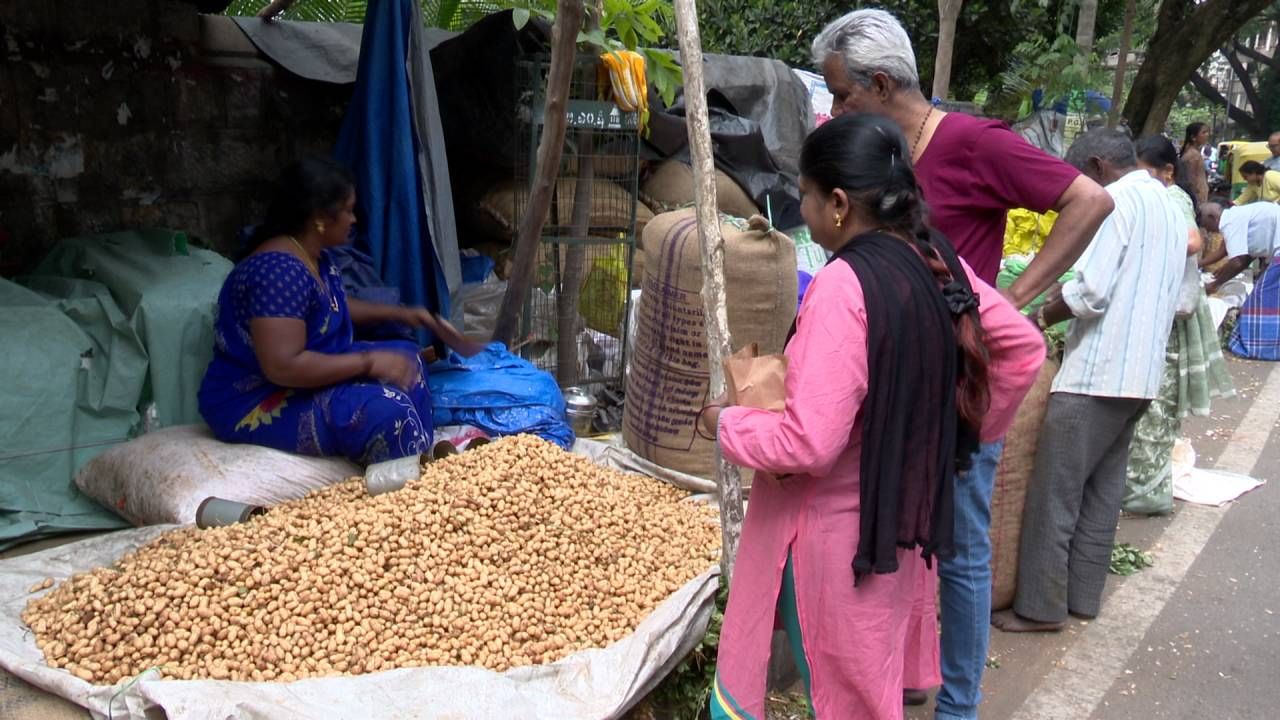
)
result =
(973, 394)
(904, 212)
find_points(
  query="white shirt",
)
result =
(1124, 295)
(1252, 230)
(1272, 163)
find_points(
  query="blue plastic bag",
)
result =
(499, 393)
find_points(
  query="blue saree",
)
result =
(363, 420)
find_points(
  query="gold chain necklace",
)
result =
(306, 258)
(920, 131)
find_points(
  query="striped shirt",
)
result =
(1124, 295)
(1252, 230)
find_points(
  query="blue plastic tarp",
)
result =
(499, 393)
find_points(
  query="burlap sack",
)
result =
(610, 209)
(670, 187)
(1010, 494)
(669, 377)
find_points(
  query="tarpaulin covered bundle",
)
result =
(499, 393)
(392, 120)
(759, 116)
(168, 291)
(73, 371)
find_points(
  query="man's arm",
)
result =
(1081, 210)
(1229, 270)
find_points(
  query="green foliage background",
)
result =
(993, 37)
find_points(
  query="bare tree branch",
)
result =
(1246, 83)
(1252, 54)
(1206, 88)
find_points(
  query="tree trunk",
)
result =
(564, 51)
(948, 16)
(575, 256)
(1186, 35)
(1085, 25)
(728, 478)
(575, 264)
(1122, 62)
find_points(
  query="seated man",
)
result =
(1249, 232)
(1264, 184)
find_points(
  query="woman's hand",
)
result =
(441, 328)
(709, 417)
(418, 317)
(392, 368)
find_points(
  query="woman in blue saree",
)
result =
(286, 370)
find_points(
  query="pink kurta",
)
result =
(855, 639)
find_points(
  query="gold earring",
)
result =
(319, 227)
(839, 221)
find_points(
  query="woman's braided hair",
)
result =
(867, 157)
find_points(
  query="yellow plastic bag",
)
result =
(603, 302)
(1025, 231)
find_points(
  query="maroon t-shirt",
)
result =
(972, 172)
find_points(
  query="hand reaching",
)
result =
(393, 368)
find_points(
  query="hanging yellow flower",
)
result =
(629, 82)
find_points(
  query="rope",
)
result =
(50, 451)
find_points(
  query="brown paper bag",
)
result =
(754, 381)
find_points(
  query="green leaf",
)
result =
(520, 17)
(648, 29)
(629, 38)
(595, 37)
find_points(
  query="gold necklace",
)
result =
(306, 258)
(920, 131)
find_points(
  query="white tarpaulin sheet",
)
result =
(1215, 488)
(588, 685)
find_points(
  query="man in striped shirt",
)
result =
(1121, 305)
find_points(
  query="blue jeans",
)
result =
(965, 583)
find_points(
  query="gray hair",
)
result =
(869, 41)
(1111, 145)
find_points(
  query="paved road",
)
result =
(1196, 636)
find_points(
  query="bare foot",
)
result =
(1009, 621)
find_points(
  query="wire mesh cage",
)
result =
(575, 320)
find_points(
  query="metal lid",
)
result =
(578, 399)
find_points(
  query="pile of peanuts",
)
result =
(511, 554)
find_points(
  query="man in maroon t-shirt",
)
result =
(971, 172)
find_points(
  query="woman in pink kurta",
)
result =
(802, 525)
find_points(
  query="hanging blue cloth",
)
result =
(379, 145)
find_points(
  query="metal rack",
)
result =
(583, 273)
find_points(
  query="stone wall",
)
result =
(124, 114)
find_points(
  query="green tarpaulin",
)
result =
(73, 373)
(107, 326)
(168, 291)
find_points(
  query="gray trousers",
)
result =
(1073, 505)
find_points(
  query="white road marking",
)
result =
(1078, 683)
